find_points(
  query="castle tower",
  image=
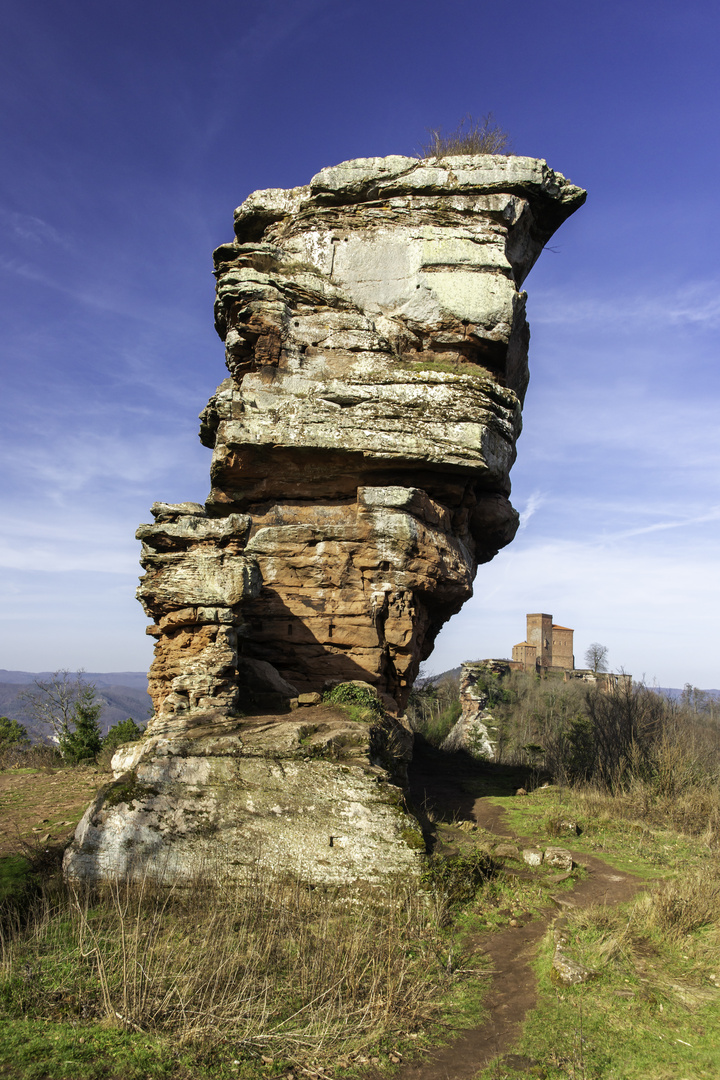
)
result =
(562, 647)
(540, 635)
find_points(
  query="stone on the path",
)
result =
(532, 856)
(507, 851)
(559, 858)
(565, 969)
(309, 699)
(568, 971)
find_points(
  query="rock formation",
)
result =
(476, 730)
(377, 346)
(376, 341)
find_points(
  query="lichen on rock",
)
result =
(310, 794)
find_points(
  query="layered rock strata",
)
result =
(376, 341)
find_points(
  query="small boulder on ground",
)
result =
(309, 699)
(568, 825)
(467, 826)
(532, 856)
(507, 851)
(559, 858)
(565, 970)
(569, 972)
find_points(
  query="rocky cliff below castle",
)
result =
(376, 340)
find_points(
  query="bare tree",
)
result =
(53, 703)
(596, 657)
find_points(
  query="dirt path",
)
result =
(513, 992)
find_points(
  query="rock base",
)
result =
(312, 794)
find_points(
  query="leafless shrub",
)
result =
(469, 137)
(626, 723)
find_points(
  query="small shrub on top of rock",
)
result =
(360, 700)
(469, 137)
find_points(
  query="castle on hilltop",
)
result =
(547, 645)
(548, 650)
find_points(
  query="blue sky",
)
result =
(130, 132)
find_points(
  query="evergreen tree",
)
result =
(85, 740)
(13, 736)
(123, 732)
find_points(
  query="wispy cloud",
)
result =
(648, 425)
(682, 522)
(98, 296)
(697, 304)
(534, 502)
(71, 540)
(29, 228)
(70, 462)
(278, 24)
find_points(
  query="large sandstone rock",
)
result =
(376, 340)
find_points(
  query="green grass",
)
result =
(228, 976)
(652, 1014)
(451, 367)
(15, 873)
(624, 842)
(653, 1011)
(43, 1050)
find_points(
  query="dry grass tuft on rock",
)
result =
(469, 137)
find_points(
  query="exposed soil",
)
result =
(443, 785)
(43, 806)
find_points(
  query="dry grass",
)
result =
(684, 905)
(653, 938)
(37, 756)
(276, 968)
(469, 137)
(694, 810)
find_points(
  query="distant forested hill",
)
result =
(122, 694)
